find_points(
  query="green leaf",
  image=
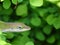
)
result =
(29, 43)
(57, 36)
(58, 43)
(26, 33)
(2, 42)
(6, 4)
(42, 12)
(14, 1)
(36, 3)
(9, 35)
(50, 19)
(56, 24)
(19, 1)
(51, 39)
(53, 1)
(2, 37)
(21, 10)
(58, 4)
(40, 36)
(47, 29)
(5, 18)
(36, 21)
(7, 11)
(20, 40)
(52, 9)
(1, 0)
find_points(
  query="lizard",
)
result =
(13, 27)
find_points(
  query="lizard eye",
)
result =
(19, 27)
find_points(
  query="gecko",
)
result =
(13, 27)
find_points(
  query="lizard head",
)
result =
(17, 27)
(21, 26)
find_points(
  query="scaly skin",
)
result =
(13, 27)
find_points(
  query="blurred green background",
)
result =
(43, 16)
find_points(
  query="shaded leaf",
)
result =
(51, 39)
(40, 36)
(47, 29)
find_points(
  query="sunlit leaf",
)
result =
(58, 4)
(14, 1)
(21, 10)
(53, 1)
(6, 4)
(29, 43)
(36, 3)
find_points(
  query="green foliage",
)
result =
(30, 43)
(40, 36)
(3, 39)
(9, 35)
(36, 3)
(57, 23)
(58, 4)
(50, 19)
(14, 2)
(6, 4)
(20, 8)
(35, 21)
(26, 33)
(43, 16)
(51, 39)
(20, 40)
(47, 30)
